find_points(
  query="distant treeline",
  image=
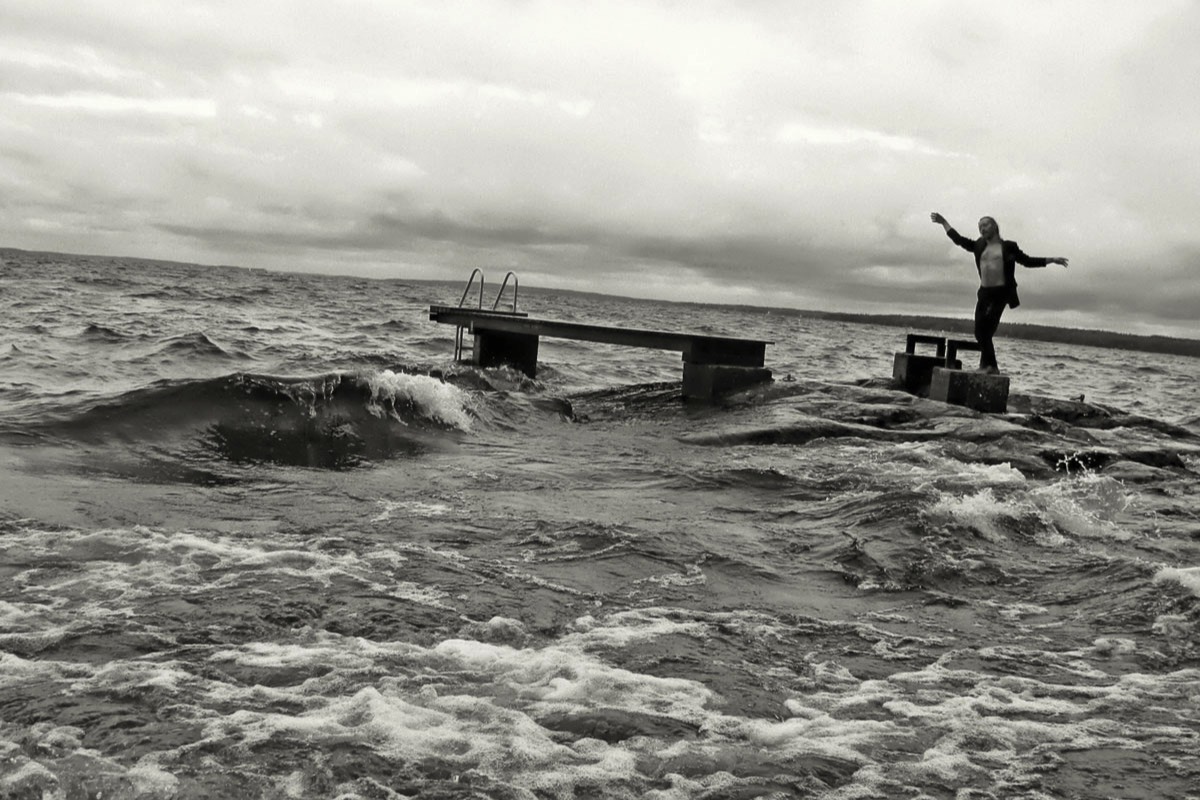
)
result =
(1170, 345)
(1041, 333)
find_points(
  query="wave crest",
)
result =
(426, 395)
(328, 421)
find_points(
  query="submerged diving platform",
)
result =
(712, 365)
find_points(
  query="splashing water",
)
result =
(433, 398)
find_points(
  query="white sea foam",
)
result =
(292, 785)
(410, 508)
(43, 637)
(919, 465)
(1107, 646)
(13, 666)
(693, 576)
(122, 572)
(116, 676)
(434, 721)
(324, 649)
(624, 628)
(814, 734)
(150, 781)
(498, 630)
(1085, 506)
(981, 511)
(559, 676)
(13, 613)
(947, 471)
(1015, 611)
(434, 399)
(475, 705)
(1177, 627)
(976, 721)
(26, 778)
(1188, 577)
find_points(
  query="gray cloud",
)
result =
(781, 153)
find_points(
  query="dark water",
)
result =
(261, 538)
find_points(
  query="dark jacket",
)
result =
(1013, 255)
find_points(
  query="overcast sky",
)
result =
(778, 153)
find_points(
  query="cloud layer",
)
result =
(773, 152)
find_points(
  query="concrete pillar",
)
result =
(708, 381)
(499, 348)
(914, 372)
(976, 390)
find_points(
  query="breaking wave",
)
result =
(333, 421)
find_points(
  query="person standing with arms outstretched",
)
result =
(996, 261)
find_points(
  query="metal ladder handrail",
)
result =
(458, 332)
(500, 293)
(470, 280)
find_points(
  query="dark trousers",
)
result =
(988, 310)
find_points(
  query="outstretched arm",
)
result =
(1035, 261)
(955, 236)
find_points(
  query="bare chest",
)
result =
(991, 265)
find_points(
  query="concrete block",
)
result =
(499, 348)
(914, 372)
(976, 390)
(707, 381)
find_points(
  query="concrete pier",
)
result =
(712, 365)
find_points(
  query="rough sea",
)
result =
(261, 537)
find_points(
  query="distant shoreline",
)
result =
(1169, 345)
(1146, 343)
